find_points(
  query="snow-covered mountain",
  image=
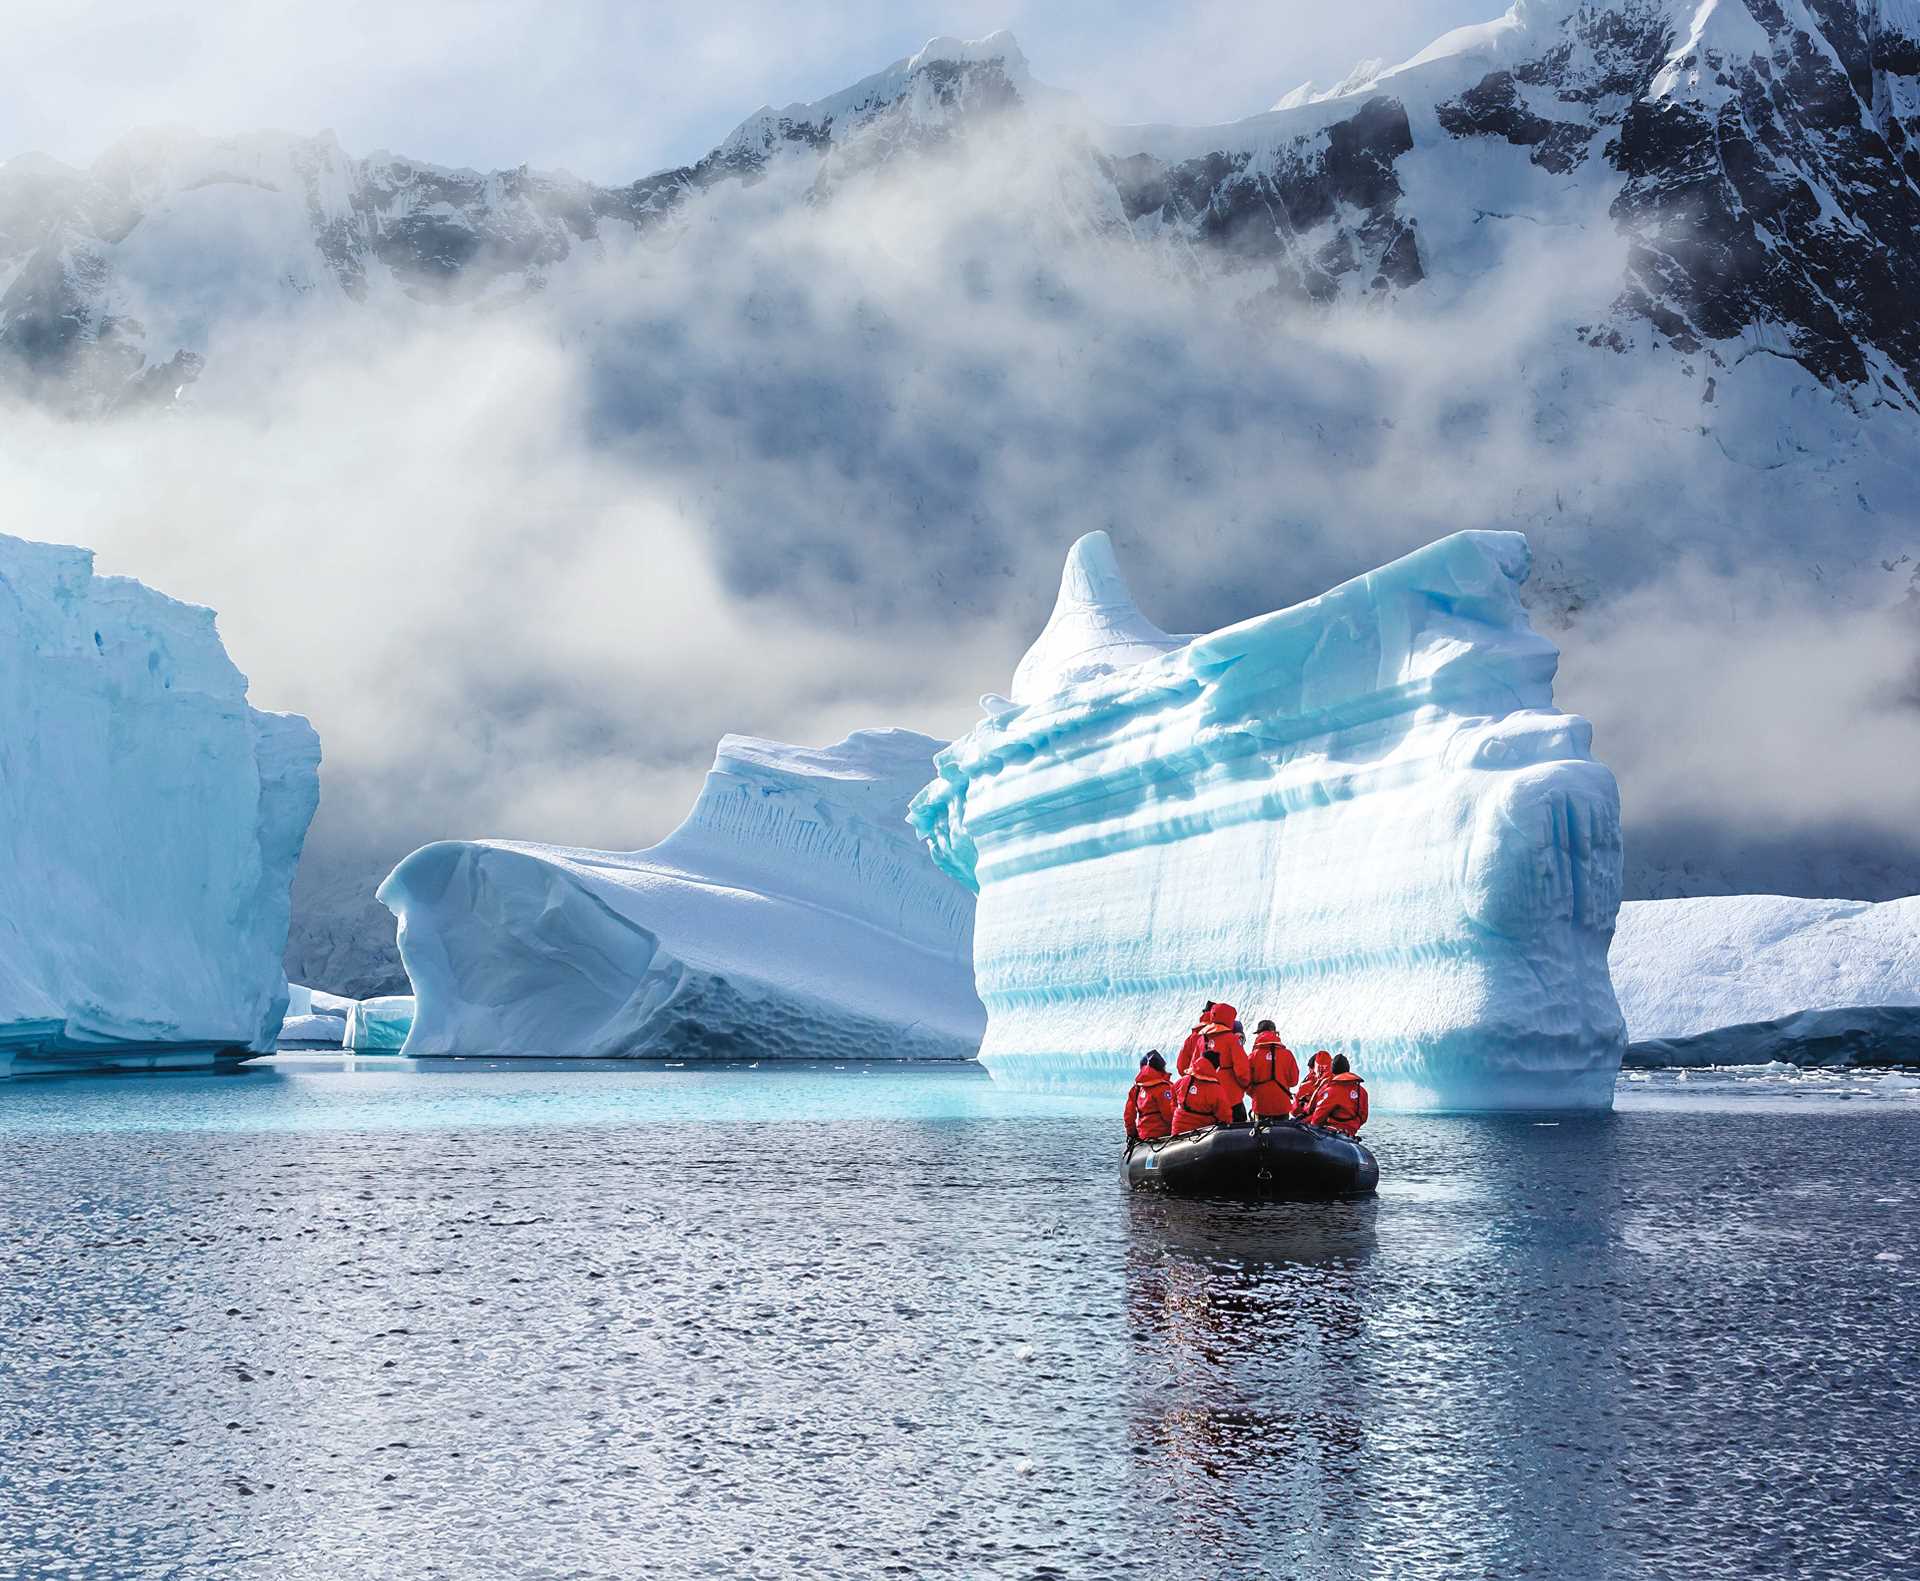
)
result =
(1753, 162)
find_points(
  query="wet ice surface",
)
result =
(399, 1321)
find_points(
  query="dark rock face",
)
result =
(1317, 213)
(1495, 109)
(1766, 190)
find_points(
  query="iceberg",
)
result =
(792, 915)
(378, 1026)
(1752, 979)
(314, 1019)
(152, 823)
(1362, 816)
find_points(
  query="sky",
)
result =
(612, 91)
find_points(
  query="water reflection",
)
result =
(871, 1322)
(1248, 1324)
(1451, 1348)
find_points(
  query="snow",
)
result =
(378, 1026)
(1718, 32)
(906, 81)
(311, 1031)
(791, 915)
(1095, 627)
(1744, 979)
(1362, 816)
(152, 821)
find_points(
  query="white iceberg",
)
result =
(792, 915)
(152, 824)
(314, 1019)
(1362, 816)
(378, 1026)
(312, 1032)
(1749, 979)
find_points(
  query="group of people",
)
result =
(1218, 1080)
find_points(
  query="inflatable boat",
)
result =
(1278, 1160)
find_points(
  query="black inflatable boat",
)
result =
(1278, 1160)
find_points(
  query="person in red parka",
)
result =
(1199, 1098)
(1150, 1100)
(1274, 1071)
(1341, 1101)
(1220, 1035)
(1319, 1068)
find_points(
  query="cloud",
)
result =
(611, 90)
(813, 465)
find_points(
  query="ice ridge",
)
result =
(790, 915)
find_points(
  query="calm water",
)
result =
(402, 1321)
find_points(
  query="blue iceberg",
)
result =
(792, 915)
(1362, 816)
(152, 823)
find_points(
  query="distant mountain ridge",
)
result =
(1760, 158)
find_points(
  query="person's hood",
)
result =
(1149, 1077)
(1220, 1018)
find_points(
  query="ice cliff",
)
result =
(1362, 816)
(150, 821)
(1744, 979)
(791, 915)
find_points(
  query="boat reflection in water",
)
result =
(1311, 1375)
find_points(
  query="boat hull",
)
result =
(1270, 1160)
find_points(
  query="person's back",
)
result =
(1222, 1041)
(1273, 1071)
(1199, 1099)
(1319, 1068)
(1150, 1100)
(1341, 1101)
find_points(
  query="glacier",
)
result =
(791, 915)
(1362, 816)
(1749, 979)
(153, 820)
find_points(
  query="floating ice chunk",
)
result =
(152, 824)
(1362, 816)
(1753, 979)
(792, 914)
(378, 1026)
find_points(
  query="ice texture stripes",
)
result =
(150, 823)
(1362, 816)
(792, 915)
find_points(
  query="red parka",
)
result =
(1149, 1105)
(1340, 1104)
(1229, 1053)
(1274, 1071)
(1319, 1068)
(1200, 1100)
